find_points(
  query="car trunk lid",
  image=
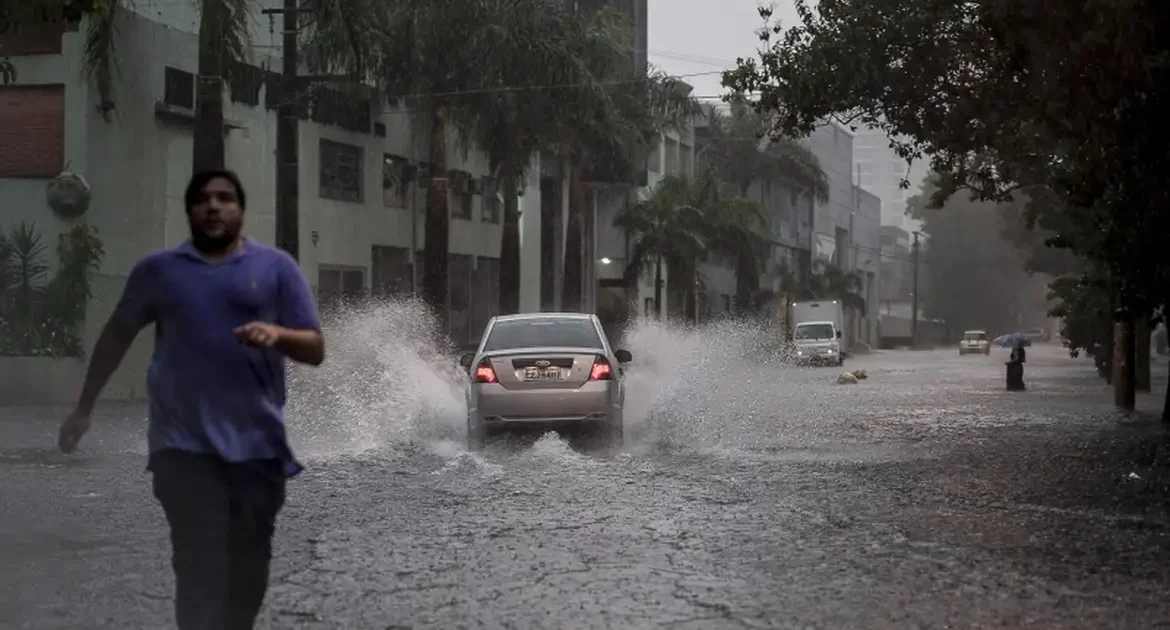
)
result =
(544, 368)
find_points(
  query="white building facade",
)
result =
(674, 155)
(357, 231)
(847, 227)
(881, 172)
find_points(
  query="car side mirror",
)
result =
(623, 356)
(466, 360)
(838, 334)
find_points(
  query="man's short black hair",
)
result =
(194, 193)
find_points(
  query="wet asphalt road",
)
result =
(751, 497)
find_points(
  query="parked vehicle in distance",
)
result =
(975, 342)
(545, 371)
(817, 335)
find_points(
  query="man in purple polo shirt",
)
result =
(227, 312)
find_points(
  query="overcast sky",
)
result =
(705, 36)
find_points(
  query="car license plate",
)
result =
(545, 374)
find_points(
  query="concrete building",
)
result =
(355, 163)
(897, 267)
(673, 155)
(881, 171)
(790, 220)
(847, 227)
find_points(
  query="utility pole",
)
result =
(289, 110)
(287, 129)
(914, 305)
(852, 267)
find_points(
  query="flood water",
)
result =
(751, 493)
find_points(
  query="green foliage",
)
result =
(669, 225)
(735, 148)
(972, 276)
(40, 315)
(826, 281)
(1082, 303)
(682, 223)
(1000, 96)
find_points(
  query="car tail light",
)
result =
(601, 370)
(484, 372)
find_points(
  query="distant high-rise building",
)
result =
(880, 171)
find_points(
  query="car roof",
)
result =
(978, 332)
(524, 316)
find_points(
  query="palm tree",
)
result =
(738, 150)
(830, 282)
(537, 46)
(740, 231)
(668, 227)
(490, 71)
(609, 136)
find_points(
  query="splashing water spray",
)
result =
(392, 380)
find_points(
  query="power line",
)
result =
(712, 61)
(530, 88)
(514, 88)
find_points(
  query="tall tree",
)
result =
(974, 278)
(667, 228)
(609, 136)
(740, 151)
(480, 70)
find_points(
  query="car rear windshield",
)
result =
(543, 332)
(814, 331)
(975, 336)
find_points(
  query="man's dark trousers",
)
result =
(222, 516)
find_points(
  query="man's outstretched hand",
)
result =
(259, 334)
(76, 425)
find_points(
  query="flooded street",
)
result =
(750, 495)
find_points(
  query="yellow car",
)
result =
(975, 342)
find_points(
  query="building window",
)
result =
(178, 88)
(654, 162)
(391, 271)
(32, 131)
(339, 286)
(341, 171)
(464, 207)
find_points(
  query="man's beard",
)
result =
(213, 244)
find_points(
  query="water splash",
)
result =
(387, 379)
(702, 387)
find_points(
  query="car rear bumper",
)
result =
(498, 407)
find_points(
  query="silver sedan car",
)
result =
(545, 371)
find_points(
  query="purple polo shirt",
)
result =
(210, 393)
